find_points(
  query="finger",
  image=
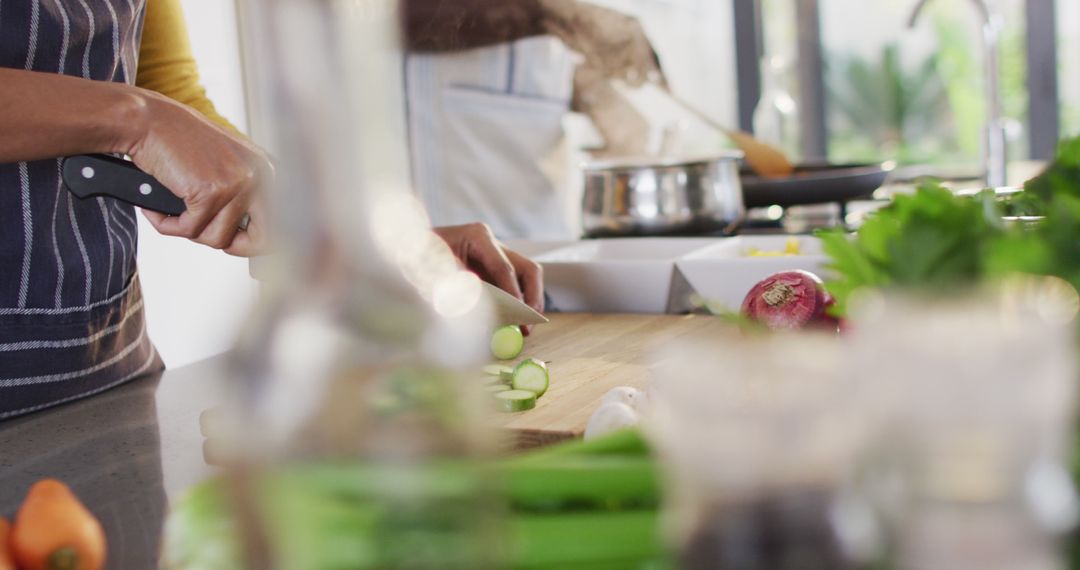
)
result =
(499, 272)
(494, 264)
(253, 241)
(530, 277)
(153, 217)
(257, 228)
(223, 230)
(189, 224)
(243, 245)
(167, 225)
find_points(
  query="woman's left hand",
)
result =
(481, 253)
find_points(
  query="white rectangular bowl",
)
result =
(627, 275)
(724, 273)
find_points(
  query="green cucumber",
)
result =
(531, 375)
(515, 400)
(507, 342)
(496, 388)
(501, 371)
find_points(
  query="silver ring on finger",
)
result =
(244, 223)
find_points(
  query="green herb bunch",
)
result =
(928, 240)
(939, 242)
(1051, 246)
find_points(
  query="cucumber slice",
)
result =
(515, 401)
(496, 388)
(507, 342)
(531, 375)
(503, 371)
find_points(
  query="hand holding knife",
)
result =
(91, 175)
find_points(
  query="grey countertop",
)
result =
(126, 453)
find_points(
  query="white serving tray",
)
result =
(626, 275)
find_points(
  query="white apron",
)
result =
(486, 137)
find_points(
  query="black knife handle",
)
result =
(100, 175)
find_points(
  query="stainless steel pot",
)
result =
(662, 196)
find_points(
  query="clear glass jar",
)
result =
(356, 428)
(757, 435)
(976, 397)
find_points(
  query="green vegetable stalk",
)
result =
(592, 504)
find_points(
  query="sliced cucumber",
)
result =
(515, 401)
(531, 375)
(496, 388)
(507, 342)
(502, 371)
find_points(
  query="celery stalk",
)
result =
(627, 539)
(602, 481)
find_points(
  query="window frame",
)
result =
(1044, 103)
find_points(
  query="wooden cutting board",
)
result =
(589, 355)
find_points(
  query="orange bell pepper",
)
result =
(55, 531)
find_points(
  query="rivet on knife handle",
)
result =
(100, 175)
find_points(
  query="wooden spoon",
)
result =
(763, 158)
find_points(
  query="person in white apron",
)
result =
(488, 84)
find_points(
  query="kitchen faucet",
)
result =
(994, 157)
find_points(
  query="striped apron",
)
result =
(71, 311)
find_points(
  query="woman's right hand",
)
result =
(215, 172)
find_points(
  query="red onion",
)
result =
(790, 300)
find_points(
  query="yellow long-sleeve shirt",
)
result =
(165, 61)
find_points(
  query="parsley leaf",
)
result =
(931, 239)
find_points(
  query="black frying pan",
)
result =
(814, 184)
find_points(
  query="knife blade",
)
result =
(509, 310)
(89, 175)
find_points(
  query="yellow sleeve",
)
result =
(165, 61)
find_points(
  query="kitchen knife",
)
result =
(510, 311)
(90, 175)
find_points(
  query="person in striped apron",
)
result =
(117, 76)
(71, 310)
